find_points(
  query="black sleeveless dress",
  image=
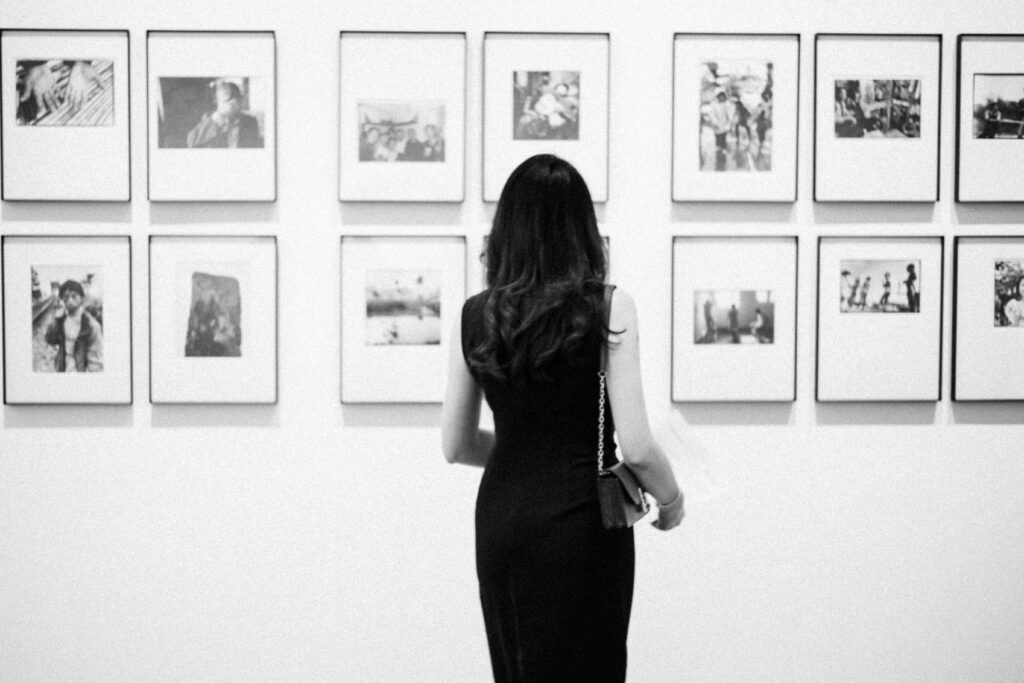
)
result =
(555, 585)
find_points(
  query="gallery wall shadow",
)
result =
(212, 415)
(745, 414)
(875, 212)
(68, 416)
(971, 214)
(732, 212)
(67, 212)
(876, 413)
(183, 213)
(395, 415)
(988, 413)
(401, 213)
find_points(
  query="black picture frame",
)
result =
(130, 327)
(4, 189)
(149, 133)
(938, 122)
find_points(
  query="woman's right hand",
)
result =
(670, 515)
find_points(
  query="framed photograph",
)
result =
(879, 318)
(877, 117)
(212, 319)
(734, 318)
(212, 116)
(400, 297)
(988, 318)
(546, 93)
(67, 319)
(402, 124)
(990, 118)
(66, 128)
(735, 106)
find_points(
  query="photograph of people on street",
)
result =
(546, 105)
(880, 286)
(411, 130)
(215, 112)
(736, 115)
(65, 92)
(403, 307)
(67, 318)
(999, 106)
(1009, 292)
(876, 108)
(733, 316)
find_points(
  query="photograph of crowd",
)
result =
(733, 316)
(546, 105)
(999, 106)
(411, 130)
(736, 116)
(211, 113)
(1009, 293)
(875, 108)
(65, 92)
(214, 321)
(67, 318)
(403, 307)
(880, 286)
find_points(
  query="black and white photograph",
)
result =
(730, 316)
(215, 317)
(880, 286)
(731, 293)
(67, 318)
(878, 108)
(65, 121)
(546, 105)
(877, 117)
(399, 299)
(883, 341)
(401, 131)
(999, 106)
(988, 318)
(402, 116)
(547, 93)
(1009, 292)
(736, 115)
(65, 92)
(403, 307)
(219, 112)
(212, 116)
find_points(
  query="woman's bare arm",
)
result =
(462, 440)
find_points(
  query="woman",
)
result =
(555, 586)
(1014, 307)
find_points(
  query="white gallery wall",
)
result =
(309, 540)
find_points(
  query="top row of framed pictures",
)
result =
(212, 115)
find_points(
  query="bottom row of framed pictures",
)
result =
(213, 318)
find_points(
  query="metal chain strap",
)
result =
(600, 423)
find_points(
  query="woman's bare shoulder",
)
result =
(623, 313)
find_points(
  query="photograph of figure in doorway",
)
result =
(733, 316)
(880, 286)
(876, 108)
(214, 321)
(411, 130)
(546, 105)
(65, 92)
(1009, 292)
(736, 116)
(67, 318)
(403, 307)
(999, 106)
(214, 112)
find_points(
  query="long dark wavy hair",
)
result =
(546, 270)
